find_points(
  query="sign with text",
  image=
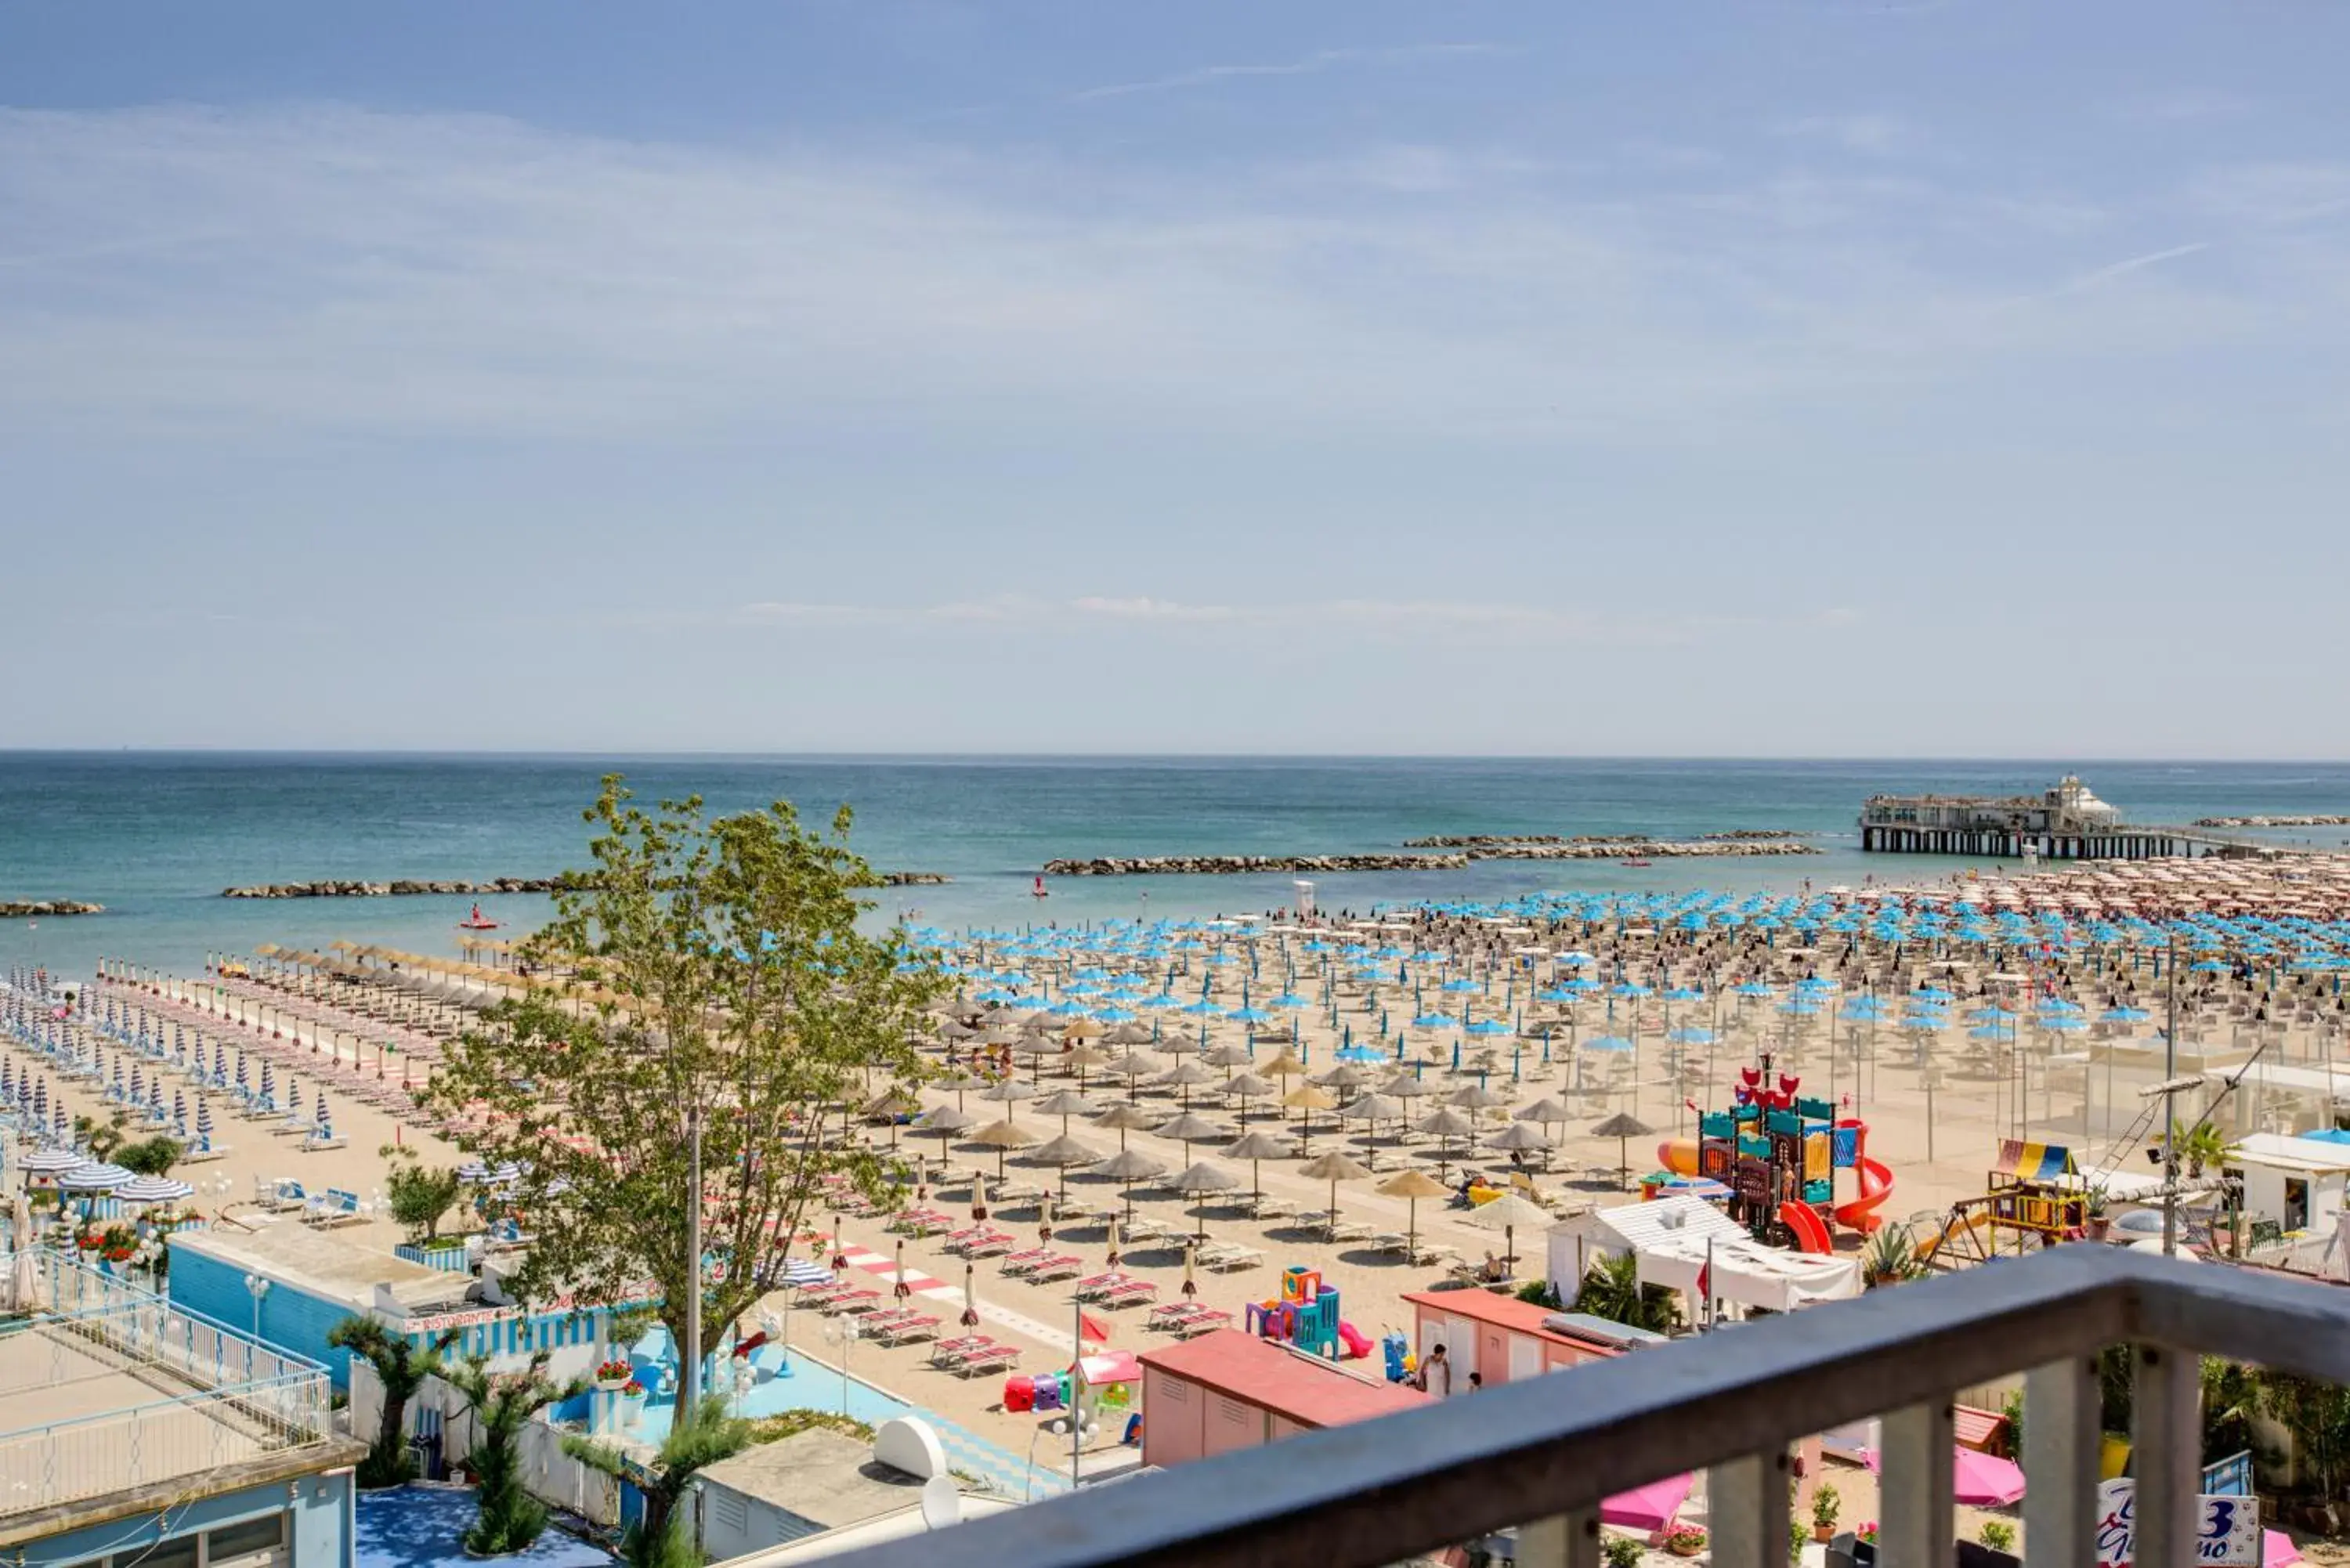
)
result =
(2227, 1534)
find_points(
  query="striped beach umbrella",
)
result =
(117, 1075)
(243, 1083)
(60, 1125)
(268, 1086)
(153, 1190)
(7, 1078)
(138, 1084)
(203, 1123)
(41, 1102)
(326, 1127)
(155, 1098)
(179, 1113)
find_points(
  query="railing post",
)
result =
(1561, 1540)
(2062, 1432)
(1914, 1522)
(2165, 1451)
(1746, 1512)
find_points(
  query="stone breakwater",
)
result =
(404, 888)
(2322, 820)
(1496, 840)
(33, 908)
(1243, 864)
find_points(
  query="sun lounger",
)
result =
(1272, 1207)
(1223, 1259)
(1097, 1284)
(992, 1246)
(1130, 1292)
(860, 1299)
(1207, 1320)
(946, 1352)
(1066, 1266)
(817, 1295)
(1021, 1262)
(907, 1330)
(280, 1196)
(993, 1358)
(1168, 1314)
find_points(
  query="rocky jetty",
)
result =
(2322, 820)
(1498, 840)
(403, 888)
(1452, 861)
(33, 908)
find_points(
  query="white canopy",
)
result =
(1743, 1269)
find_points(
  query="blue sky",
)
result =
(1811, 378)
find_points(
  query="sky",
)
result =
(1782, 378)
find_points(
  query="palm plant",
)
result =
(1891, 1257)
(402, 1368)
(509, 1518)
(660, 1538)
(1612, 1289)
(2203, 1145)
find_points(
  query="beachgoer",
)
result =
(1435, 1375)
(1476, 1381)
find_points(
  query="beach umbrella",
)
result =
(1002, 1136)
(1407, 1087)
(1306, 1099)
(1066, 1104)
(1200, 1181)
(1505, 1214)
(1333, 1167)
(1254, 1147)
(1125, 1118)
(325, 1126)
(153, 1190)
(269, 1087)
(203, 1123)
(1623, 1128)
(51, 1162)
(1445, 1124)
(1064, 1152)
(1190, 1130)
(179, 1113)
(93, 1177)
(1007, 1094)
(944, 1120)
(1549, 1110)
(1412, 1185)
(1520, 1136)
(1181, 1078)
(1126, 1166)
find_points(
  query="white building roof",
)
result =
(2278, 1151)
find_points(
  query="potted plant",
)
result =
(1684, 1539)
(1999, 1535)
(632, 1389)
(2095, 1209)
(1619, 1552)
(1825, 1506)
(612, 1376)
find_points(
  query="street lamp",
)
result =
(256, 1287)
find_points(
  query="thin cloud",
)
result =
(1311, 65)
(2137, 264)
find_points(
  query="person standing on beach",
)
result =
(1436, 1373)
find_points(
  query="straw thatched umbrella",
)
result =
(1407, 1087)
(1412, 1185)
(1126, 1166)
(1334, 1168)
(1181, 1076)
(1505, 1214)
(1228, 1057)
(1255, 1146)
(1373, 1108)
(1128, 1034)
(1190, 1130)
(1345, 1076)
(963, 1083)
(1477, 1097)
(1246, 1087)
(944, 1120)
(1131, 1069)
(1085, 1029)
(1084, 1059)
(1519, 1136)
(1065, 1151)
(1066, 1104)
(1002, 1136)
(1125, 1120)
(1200, 1181)
(1284, 1065)
(1623, 1126)
(1445, 1124)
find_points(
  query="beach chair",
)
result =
(1021, 1262)
(910, 1329)
(279, 1196)
(818, 1295)
(1062, 1266)
(1095, 1285)
(1207, 1320)
(992, 1359)
(948, 1352)
(993, 1245)
(335, 1206)
(1130, 1292)
(858, 1298)
(1272, 1207)
(1224, 1258)
(1168, 1314)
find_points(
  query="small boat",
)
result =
(478, 923)
(1635, 863)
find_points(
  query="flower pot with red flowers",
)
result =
(612, 1376)
(1684, 1541)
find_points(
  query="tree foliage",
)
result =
(661, 1537)
(401, 1368)
(1612, 1289)
(2317, 1414)
(509, 1519)
(419, 1196)
(150, 1157)
(709, 969)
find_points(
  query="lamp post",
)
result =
(256, 1287)
(688, 1371)
(2171, 1103)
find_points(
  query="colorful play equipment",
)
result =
(1305, 1315)
(1778, 1153)
(2028, 1196)
(1400, 1362)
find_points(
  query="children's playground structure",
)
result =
(1305, 1315)
(2027, 1196)
(1778, 1154)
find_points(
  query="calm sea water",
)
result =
(156, 836)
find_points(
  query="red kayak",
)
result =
(477, 923)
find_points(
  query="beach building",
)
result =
(138, 1434)
(1228, 1390)
(2295, 1184)
(1505, 1340)
(2066, 823)
(821, 1491)
(291, 1283)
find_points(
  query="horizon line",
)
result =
(910, 756)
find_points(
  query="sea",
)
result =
(155, 836)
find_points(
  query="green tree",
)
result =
(509, 1519)
(2317, 1414)
(419, 1196)
(100, 1137)
(2203, 1146)
(709, 971)
(402, 1368)
(153, 1157)
(663, 1537)
(1612, 1289)
(2232, 1395)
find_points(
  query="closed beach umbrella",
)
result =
(179, 1113)
(1623, 1128)
(1333, 1167)
(203, 1123)
(1412, 1185)
(326, 1127)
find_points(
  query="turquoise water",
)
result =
(156, 836)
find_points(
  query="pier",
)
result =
(2066, 823)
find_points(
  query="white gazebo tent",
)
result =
(1676, 1238)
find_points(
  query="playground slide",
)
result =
(1678, 1155)
(1352, 1338)
(1875, 1186)
(1810, 1230)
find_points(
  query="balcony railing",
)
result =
(1542, 1455)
